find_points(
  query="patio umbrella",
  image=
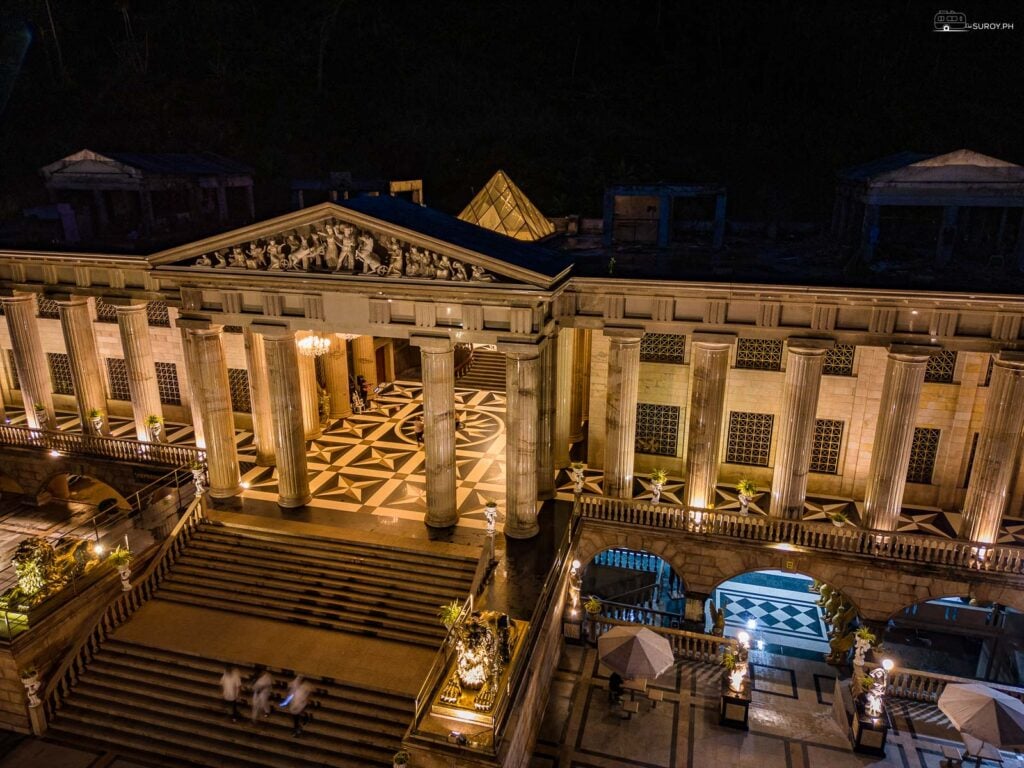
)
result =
(636, 653)
(984, 713)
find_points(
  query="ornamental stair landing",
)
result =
(487, 371)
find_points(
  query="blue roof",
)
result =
(882, 165)
(432, 223)
(202, 164)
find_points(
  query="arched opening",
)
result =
(785, 613)
(82, 495)
(959, 636)
(635, 585)
(9, 487)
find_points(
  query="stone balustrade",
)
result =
(77, 444)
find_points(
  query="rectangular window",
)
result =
(232, 329)
(657, 429)
(941, 367)
(750, 438)
(47, 308)
(60, 373)
(922, 455)
(105, 313)
(662, 348)
(238, 379)
(970, 460)
(839, 360)
(157, 315)
(117, 374)
(828, 441)
(167, 383)
(12, 371)
(759, 354)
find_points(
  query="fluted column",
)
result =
(214, 396)
(522, 384)
(364, 358)
(580, 383)
(80, 342)
(259, 398)
(709, 362)
(620, 415)
(193, 387)
(796, 426)
(29, 360)
(563, 396)
(438, 364)
(138, 359)
(894, 437)
(545, 420)
(285, 397)
(310, 396)
(998, 446)
(336, 375)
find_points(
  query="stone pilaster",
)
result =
(709, 363)
(80, 342)
(29, 360)
(894, 437)
(522, 384)
(285, 395)
(804, 363)
(437, 357)
(563, 396)
(364, 358)
(191, 367)
(580, 383)
(259, 398)
(336, 375)
(545, 420)
(214, 395)
(138, 359)
(998, 447)
(620, 416)
(310, 396)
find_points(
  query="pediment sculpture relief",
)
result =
(342, 249)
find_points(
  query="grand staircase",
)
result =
(160, 703)
(487, 371)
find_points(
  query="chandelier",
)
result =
(313, 346)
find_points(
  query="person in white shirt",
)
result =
(231, 689)
(261, 689)
(295, 703)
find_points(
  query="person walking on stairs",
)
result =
(296, 702)
(262, 685)
(231, 689)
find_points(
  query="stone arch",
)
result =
(593, 542)
(84, 489)
(984, 593)
(803, 571)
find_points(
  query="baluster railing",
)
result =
(78, 444)
(687, 646)
(917, 685)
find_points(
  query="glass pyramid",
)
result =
(502, 207)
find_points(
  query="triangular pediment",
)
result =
(964, 166)
(337, 241)
(504, 208)
(87, 162)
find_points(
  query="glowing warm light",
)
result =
(887, 665)
(55, 453)
(744, 638)
(313, 346)
(98, 549)
(751, 624)
(576, 565)
(245, 484)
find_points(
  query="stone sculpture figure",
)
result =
(331, 250)
(480, 275)
(442, 267)
(256, 256)
(365, 254)
(203, 261)
(277, 259)
(458, 271)
(717, 619)
(396, 259)
(222, 260)
(347, 257)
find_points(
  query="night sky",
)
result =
(771, 98)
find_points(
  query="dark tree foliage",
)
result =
(771, 98)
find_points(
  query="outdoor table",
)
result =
(987, 752)
(634, 687)
(953, 756)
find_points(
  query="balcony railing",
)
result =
(890, 545)
(689, 646)
(78, 444)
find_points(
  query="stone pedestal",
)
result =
(998, 447)
(709, 362)
(796, 427)
(336, 376)
(90, 394)
(522, 384)
(29, 360)
(546, 420)
(894, 436)
(214, 395)
(438, 364)
(563, 397)
(286, 417)
(620, 415)
(310, 397)
(580, 384)
(138, 359)
(259, 398)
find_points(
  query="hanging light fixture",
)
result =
(313, 345)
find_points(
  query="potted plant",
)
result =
(155, 425)
(121, 558)
(96, 419)
(400, 759)
(449, 613)
(40, 410)
(863, 640)
(198, 469)
(576, 470)
(592, 605)
(658, 478)
(747, 490)
(839, 519)
(29, 675)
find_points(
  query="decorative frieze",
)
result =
(768, 314)
(715, 312)
(943, 323)
(823, 317)
(472, 317)
(380, 311)
(883, 320)
(663, 309)
(520, 320)
(1006, 327)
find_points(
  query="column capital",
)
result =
(1010, 359)
(624, 335)
(912, 353)
(713, 340)
(130, 309)
(18, 298)
(73, 301)
(519, 351)
(801, 345)
(269, 331)
(432, 343)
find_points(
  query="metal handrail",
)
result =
(78, 444)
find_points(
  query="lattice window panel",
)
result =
(662, 348)
(167, 383)
(941, 367)
(157, 315)
(47, 308)
(232, 329)
(657, 429)
(105, 313)
(828, 442)
(60, 373)
(12, 370)
(988, 371)
(117, 376)
(750, 438)
(970, 460)
(839, 360)
(759, 354)
(238, 380)
(922, 455)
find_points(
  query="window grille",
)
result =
(117, 374)
(12, 370)
(232, 329)
(759, 354)
(157, 315)
(839, 360)
(828, 441)
(105, 313)
(657, 429)
(970, 460)
(60, 373)
(662, 348)
(750, 438)
(940, 368)
(47, 308)
(988, 371)
(167, 383)
(238, 379)
(922, 455)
